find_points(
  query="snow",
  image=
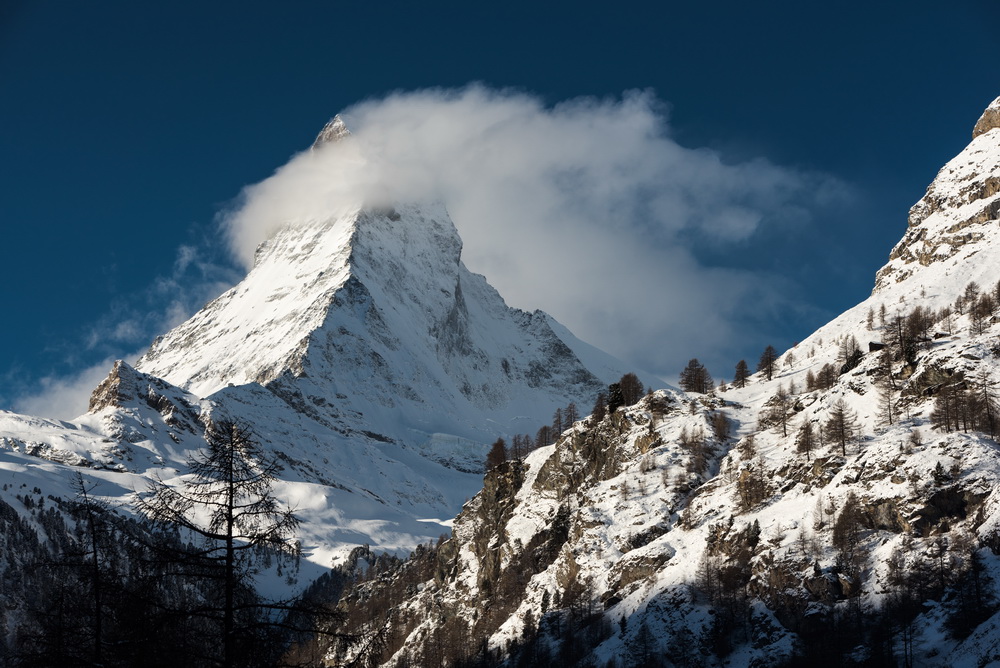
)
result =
(363, 355)
(637, 513)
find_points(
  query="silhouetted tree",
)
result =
(497, 454)
(631, 388)
(557, 422)
(544, 436)
(742, 374)
(571, 415)
(600, 409)
(615, 397)
(229, 504)
(695, 378)
(766, 365)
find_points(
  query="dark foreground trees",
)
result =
(100, 588)
(229, 506)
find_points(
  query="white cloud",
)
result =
(587, 209)
(123, 333)
(64, 397)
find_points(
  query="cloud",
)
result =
(123, 333)
(587, 209)
(64, 397)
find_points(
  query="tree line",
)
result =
(626, 392)
(173, 586)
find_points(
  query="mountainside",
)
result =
(361, 353)
(842, 508)
(375, 315)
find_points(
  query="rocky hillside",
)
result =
(842, 508)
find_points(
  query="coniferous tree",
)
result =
(615, 397)
(695, 378)
(557, 423)
(805, 439)
(631, 389)
(810, 381)
(497, 454)
(779, 411)
(600, 409)
(742, 374)
(841, 427)
(988, 409)
(721, 427)
(544, 436)
(827, 377)
(886, 401)
(228, 503)
(766, 365)
(570, 415)
(981, 311)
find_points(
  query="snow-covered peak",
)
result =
(334, 130)
(955, 219)
(374, 312)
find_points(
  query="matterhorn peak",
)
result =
(334, 130)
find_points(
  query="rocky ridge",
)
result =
(953, 220)
(845, 511)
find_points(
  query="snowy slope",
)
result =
(363, 355)
(655, 538)
(375, 313)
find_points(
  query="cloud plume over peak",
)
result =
(587, 209)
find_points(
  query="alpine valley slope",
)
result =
(362, 354)
(700, 530)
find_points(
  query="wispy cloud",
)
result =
(65, 396)
(588, 209)
(123, 332)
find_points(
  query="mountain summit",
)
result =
(333, 131)
(955, 219)
(375, 313)
(362, 354)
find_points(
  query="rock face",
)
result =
(333, 131)
(957, 215)
(990, 120)
(708, 530)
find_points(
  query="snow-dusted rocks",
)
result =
(955, 218)
(370, 322)
(363, 355)
(990, 120)
(333, 131)
(657, 538)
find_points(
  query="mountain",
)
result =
(363, 355)
(374, 314)
(841, 510)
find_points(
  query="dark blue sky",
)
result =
(127, 127)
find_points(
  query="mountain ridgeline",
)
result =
(369, 366)
(839, 507)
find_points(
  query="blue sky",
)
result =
(129, 127)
